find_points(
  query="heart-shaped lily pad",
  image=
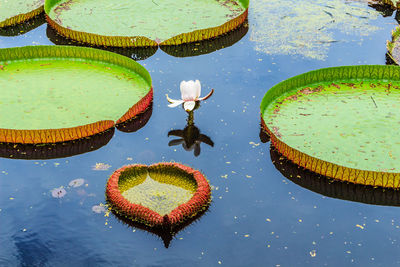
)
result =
(144, 23)
(332, 188)
(340, 122)
(162, 195)
(13, 12)
(56, 94)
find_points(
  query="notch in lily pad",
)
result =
(162, 197)
(159, 22)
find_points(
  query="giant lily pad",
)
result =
(144, 23)
(56, 94)
(393, 46)
(332, 188)
(13, 12)
(340, 122)
(162, 195)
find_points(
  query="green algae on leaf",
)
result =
(144, 23)
(308, 30)
(13, 12)
(339, 122)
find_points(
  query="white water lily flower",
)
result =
(190, 93)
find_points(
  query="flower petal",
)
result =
(176, 103)
(197, 87)
(207, 96)
(170, 100)
(189, 105)
(188, 90)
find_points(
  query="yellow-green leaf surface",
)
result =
(347, 116)
(62, 87)
(155, 19)
(12, 8)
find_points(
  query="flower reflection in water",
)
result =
(190, 136)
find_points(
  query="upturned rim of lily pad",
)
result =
(138, 41)
(21, 17)
(333, 188)
(391, 45)
(138, 213)
(46, 136)
(324, 167)
(393, 3)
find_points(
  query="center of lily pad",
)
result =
(160, 197)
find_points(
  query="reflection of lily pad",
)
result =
(332, 188)
(74, 147)
(136, 53)
(162, 195)
(339, 122)
(164, 233)
(137, 122)
(14, 12)
(56, 150)
(24, 27)
(207, 46)
(56, 94)
(144, 23)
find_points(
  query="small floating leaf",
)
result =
(76, 182)
(58, 192)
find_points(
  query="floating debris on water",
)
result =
(58, 192)
(76, 182)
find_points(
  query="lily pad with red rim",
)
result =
(162, 195)
(57, 94)
(144, 23)
(340, 122)
(13, 12)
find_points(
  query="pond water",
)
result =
(257, 217)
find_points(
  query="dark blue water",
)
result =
(258, 217)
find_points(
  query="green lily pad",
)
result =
(393, 46)
(57, 94)
(144, 23)
(13, 12)
(340, 122)
(393, 3)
